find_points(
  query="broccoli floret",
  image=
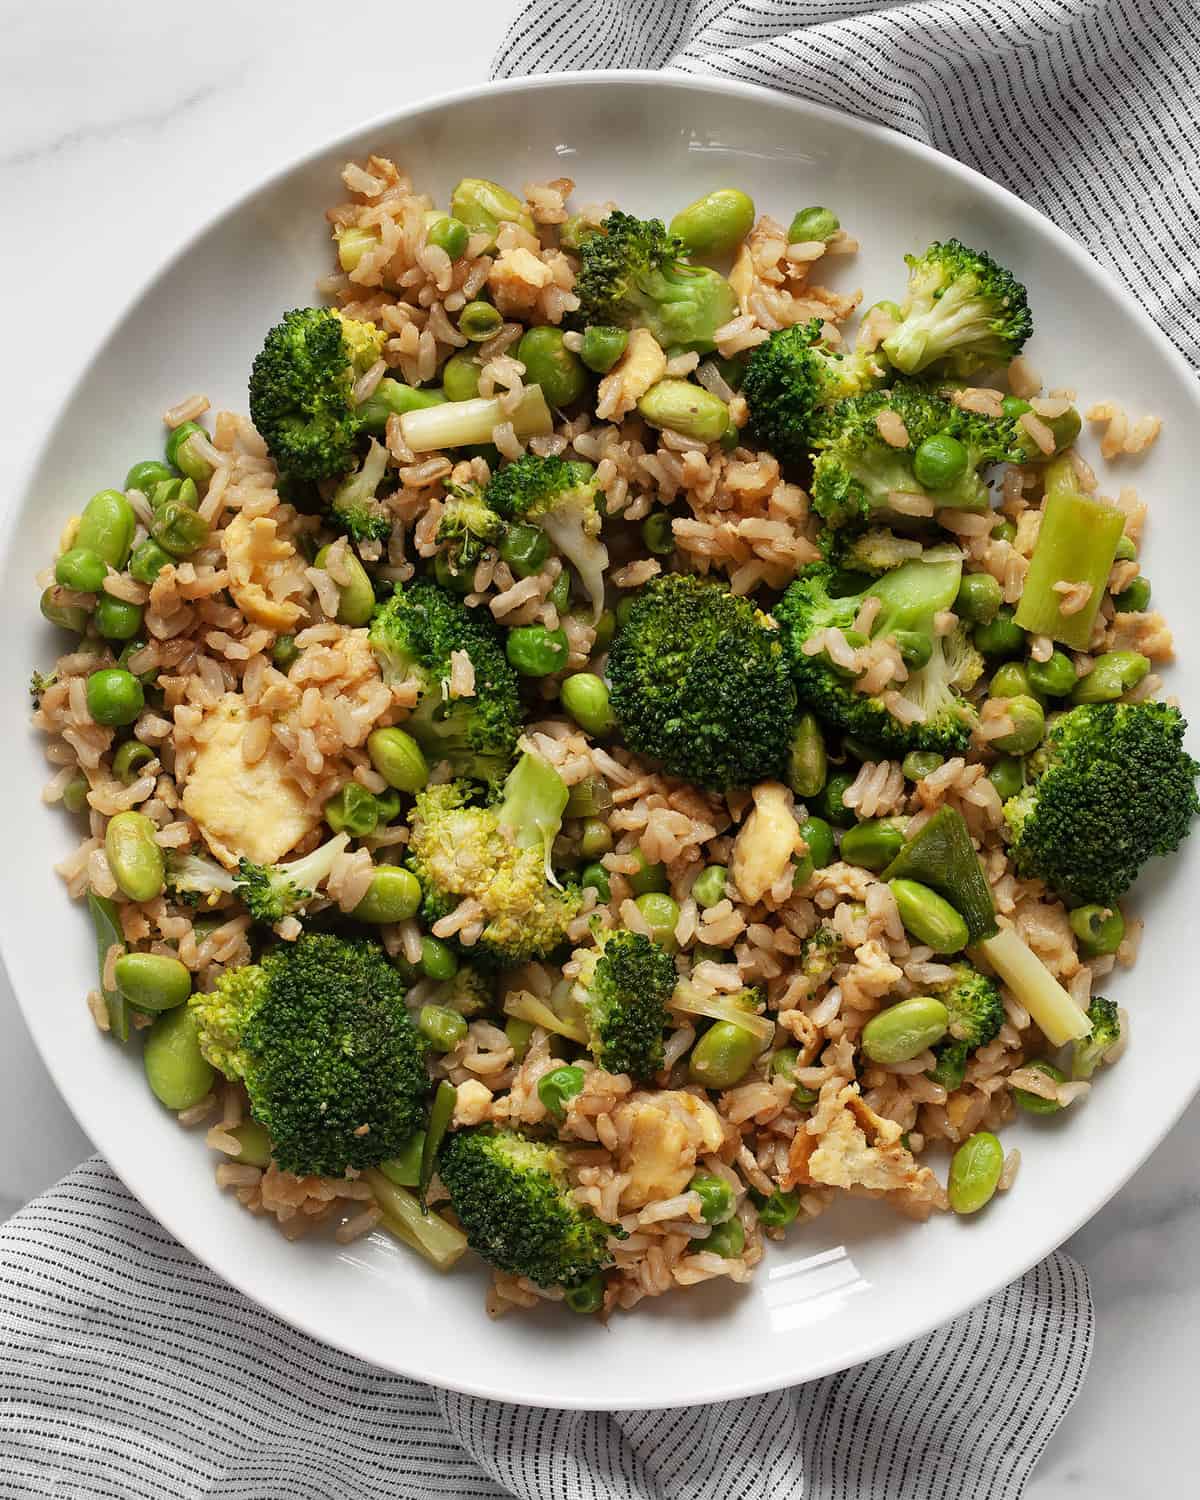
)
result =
(962, 312)
(499, 855)
(471, 992)
(623, 987)
(413, 636)
(469, 526)
(856, 471)
(354, 508)
(634, 276)
(1088, 1052)
(513, 1199)
(561, 496)
(302, 390)
(911, 596)
(270, 892)
(38, 684)
(1112, 785)
(699, 681)
(792, 377)
(870, 552)
(318, 1032)
(976, 1016)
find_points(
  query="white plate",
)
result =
(860, 1280)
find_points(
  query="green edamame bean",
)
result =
(779, 1210)
(818, 835)
(1005, 531)
(1035, 1104)
(1054, 677)
(716, 1197)
(916, 648)
(82, 570)
(133, 856)
(535, 651)
(874, 843)
(71, 617)
(727, 1240)
(74, 797)
(182, 490)
(783, 1065)
(1007, 776)
(1011, 681)
(595, 839)
(1126, 549)
(585, 698)
(117, 619)
(1029, 725)
(148, 560)
(393, 896)
(441, 1027)
(658, 534)
(1098, 929)
(398, 759)
(460, 377)
(177, 1071)
(106, 527)
(828, 803)
(525, 549)
(152, 981)
(723, 1055)
(646, 877)
(146, 474)
(129, 759)
(556, 1088)
(285, 652)
(549, 363)
(114, 696)
(918, 764)
(815, 224)
(975, 1172)
(483, 206)
(1135, 597)
(715, 224)
(929, 917)
(1111, 677)
(661, 913)
(979, 597)
(586, 1296)
(602, 347)
(478, 321)
(709, 887)
(686, 408)
(181, 452)
(448, 234)
(940, 461)
(353, 810)
(1001, 636)
(357, 598)
(904, 1031)
(808, 762)
(178, 529)
(438, 959)
(255, 1144)
(596, 876)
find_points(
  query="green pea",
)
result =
(1053, 678)
(874, 843)
(550, 364)
(716, 1197)
(779, 1210)
(1113, 674)
(647, 877)
(483, 206)
(975, 1172)
(829, 803)
(133, 856)
(585, 698)
(114, 696)
(1035, 1104)
(518, 1034)
(285, 652)
(658, 534)
(555, 1089)
(74, 797)
(586, 1296)
(106, 527)
(152, 981)
(181, 452)
(393, 896)
(535, 651)
(178, 529)
(940, 461)
(661, 913)
(818, 835)
(71, 617)
(596, 876)
(723, 1055)
(441, 1027)
(148, 560)
(1135, 597)
(904, 1031)
(130, 758)
(117, 619)
(602, 347)
(709, 887)
(450, 235)
(929, 917)
(979, 597)
(255, 1143)
(783, 1065)
(438, 960)
(560, 591)
(1005, 531)
(81, 570)
(918, 764)
(1126, 549)
(525, 549)
(1099, 929)
(398, 759)
(708, 953)
(595, 839)
(1011, 681)
(177, 1071)
(357, 598)
(1029, 725)
(460, 377)
(352, 810)
(1001, 636)
(146, 474)
(1007, 776)
(715, 224)
(686, 408)
(916, 648)
(605, 628)
(814, 224)
(478, 321)
(808, 762)
(727, 1240)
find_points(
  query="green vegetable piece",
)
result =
(588, 798)
(177, 1071)
(255, 1144)
(586, 1296)
(148, 560)
(829, 802)
(1098, 929)
(1029, 725)
(129, 758)
(715, 224)
(438, 959)
(146, 474)
(783, 1064)
(106, 923)
(602, 347)
(74, 797)
(478, 321)
(658, 533)
(940, 462)
(393, 896)
(117, 619)
(535, 651)
(1053, 678)
(686, 408)
(285, 652)
(1001, 636)
(811, 224)
(606, 627)
(357, 596)
(1126, 549)
(106, 527)
(518, 1034)
(556, 1088)
(550, 364)
(727, 1240)
(918, 764)
(441, 1027)
(818, 835)
(904, 1031)
(873, 844)
(716, 1197)
(595, 838)
(779, 1210)
(596, 876)
(1011, 681)
(661, 913)
(460, 377)
(67, 616)
(450, 235)
(929, 917)
(483, 206)
(942, 856)
(1007, 775)
(723, 1055)
(709, 886)
(975, 1172)
(398, 759)
(1005, 531)
(352, 810)
(560, 591)
(1134, 598)
(525, 549)
(80, 569)
(134, 857)
(181, 451)
(647, 877)
(178, 529)
(808, 763)
(978, 599)
(152, 981)
(585, 698)
(1113, 674)
(404, 1169)
(440, 1114)
(1035, 1104)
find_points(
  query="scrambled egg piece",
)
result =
(243, 810)
(257, 557)
(853, 1147)
(661, 1155)
(766, 842)
(642, 365)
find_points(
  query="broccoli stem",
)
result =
(1077, 543)
(440, 1114)
(404, 1169)
(1058, 1016)
(460, 423)
(428, 1234)
(524, 1006)
(391, 398)
(535, 798)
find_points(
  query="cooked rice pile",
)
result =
(289, 740)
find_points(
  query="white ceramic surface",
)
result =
(858, 1281)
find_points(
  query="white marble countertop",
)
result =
(124, 126)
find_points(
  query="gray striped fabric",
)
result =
(128, 1371)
